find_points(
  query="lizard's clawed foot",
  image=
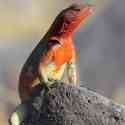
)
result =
(48, 86)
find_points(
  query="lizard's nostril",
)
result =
(92, 9)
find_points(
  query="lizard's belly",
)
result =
(53, 72)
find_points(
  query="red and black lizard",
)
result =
(54, 54)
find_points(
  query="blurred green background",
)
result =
(100, 43)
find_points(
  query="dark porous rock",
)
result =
(67, 105)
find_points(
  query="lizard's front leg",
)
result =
(71, 72)
(43, 77)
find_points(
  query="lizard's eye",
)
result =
(67, 22)
(77, 9)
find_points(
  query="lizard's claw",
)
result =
(49, 85)
(46, 86)
(52, 83)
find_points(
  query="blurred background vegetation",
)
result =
(100, 43)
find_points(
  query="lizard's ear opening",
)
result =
(53, 43)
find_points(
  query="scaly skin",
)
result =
(53, 55)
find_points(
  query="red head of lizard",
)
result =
(70, 18)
